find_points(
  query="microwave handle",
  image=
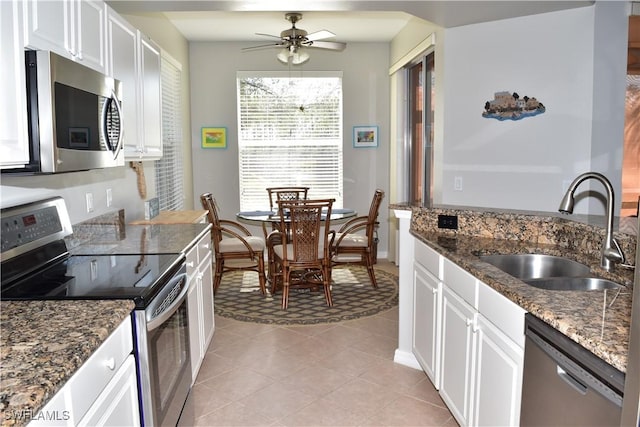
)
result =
(118, 147)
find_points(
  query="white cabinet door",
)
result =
(426, 322)
(456, 360)
(71, 28)
(117, 405)
(150, 128)
(90, 34)
(208, 318)
(497, 379)
(123, 65)
(14, 141)
(200, 302)
(48, 26)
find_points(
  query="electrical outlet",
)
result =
(109, 198)
(448, 221)
(89, 198)
(457, 183)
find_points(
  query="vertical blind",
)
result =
(290, 133)
(169, 182)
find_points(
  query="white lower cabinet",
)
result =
(103, 392)
(469, 340)
(457, 356)
(118, 403)
(497, 379)
(200, 302)
(426, 322)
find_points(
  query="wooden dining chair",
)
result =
(234, 246)
(286, 193)
(283, 193)
(355, 242)
(302, 256)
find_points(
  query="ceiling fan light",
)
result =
(299, 57)
(283, 55)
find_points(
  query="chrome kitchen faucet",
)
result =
(611, 252)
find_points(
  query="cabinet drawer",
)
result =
(88, 382)
(204, 247)
(502, 312)
(460, 281)
(192, 260)
(428, 258)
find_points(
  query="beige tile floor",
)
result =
(338, 374)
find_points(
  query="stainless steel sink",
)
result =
(573, 284)
(536, 266)
(549, 272)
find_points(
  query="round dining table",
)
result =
(264, 217)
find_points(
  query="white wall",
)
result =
(526, 164)
(366, 102)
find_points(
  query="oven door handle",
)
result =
(168, 312)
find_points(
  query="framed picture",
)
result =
(214, 137)
(365, 136)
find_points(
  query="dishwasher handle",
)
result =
(571, 380)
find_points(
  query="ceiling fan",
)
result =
(294, 41)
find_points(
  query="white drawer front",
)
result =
(461, 282)
(428, 258)
(503, 313)
(204, 247)
(192, 261)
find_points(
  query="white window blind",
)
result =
(290, 134)
(169, 182)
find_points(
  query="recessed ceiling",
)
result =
(350, 20)
(243, 26)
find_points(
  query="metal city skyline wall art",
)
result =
(511, 106)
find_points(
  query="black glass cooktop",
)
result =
(136, 277)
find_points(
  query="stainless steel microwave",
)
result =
(75, 115)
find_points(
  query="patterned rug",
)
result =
(239, 298)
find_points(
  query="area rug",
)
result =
(239, 298)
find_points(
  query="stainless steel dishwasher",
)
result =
(564, 384)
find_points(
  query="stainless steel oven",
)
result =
(36, 265)
(164, 360)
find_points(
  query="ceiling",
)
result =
(350, 20)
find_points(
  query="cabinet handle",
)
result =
(434, 290)
(111, 363)
(190, 264)
(469, 322)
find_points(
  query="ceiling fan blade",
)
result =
(319, 35)
(267, 35)
(329, 45)
(264, 46)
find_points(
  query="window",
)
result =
(290, 134)
(169, 183)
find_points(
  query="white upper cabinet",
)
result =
(74, 29)
(122, 64)
(135, 61)
(14, 142)
(150, 99)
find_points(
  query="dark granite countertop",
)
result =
(43, 343)
(597, 320)
(136, 239)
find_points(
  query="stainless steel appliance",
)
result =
(75, 117)
(565, 384)
(36, 265)
(631, 404)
